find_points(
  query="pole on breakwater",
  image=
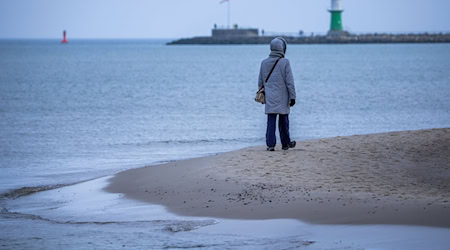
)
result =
(228, 12)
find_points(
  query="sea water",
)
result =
(91, 108)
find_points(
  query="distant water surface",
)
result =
(94, 107)
(91, 108)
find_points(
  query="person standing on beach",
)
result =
(280, 93)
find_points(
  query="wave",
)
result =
(194, 141)
(24, 191)
(5, 213)
(171, 226)
(184, 226)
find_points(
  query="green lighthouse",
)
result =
(336, 18)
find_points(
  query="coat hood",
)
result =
(278, 47)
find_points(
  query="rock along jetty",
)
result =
(330, 39)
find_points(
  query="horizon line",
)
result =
(176, 38)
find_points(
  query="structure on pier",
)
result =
(336, 19)
(235, 32)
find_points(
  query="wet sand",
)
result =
(389, 178)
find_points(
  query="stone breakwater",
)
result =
(364, 38)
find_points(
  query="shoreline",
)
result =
(71, 211)
(398, 178)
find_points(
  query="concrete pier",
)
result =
(346, 39)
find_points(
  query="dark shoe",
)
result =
(291, 145)
(270, 148)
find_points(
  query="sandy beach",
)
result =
(389, 178)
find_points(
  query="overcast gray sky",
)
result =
(186, 18)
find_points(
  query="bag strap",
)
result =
(267, 79)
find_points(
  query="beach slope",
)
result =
(388, 178)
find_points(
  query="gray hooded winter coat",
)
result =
(280, 88)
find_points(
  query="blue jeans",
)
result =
(283, 127)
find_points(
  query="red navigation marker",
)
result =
(64, 40)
